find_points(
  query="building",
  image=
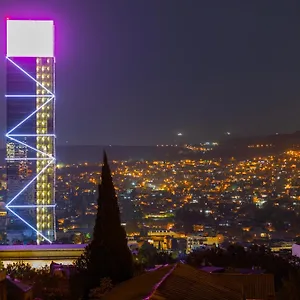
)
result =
(194, 242)
(164, 239)
(30, 147)
(40, 255)
(17, 290)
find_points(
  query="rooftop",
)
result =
(184, 282)
(211, 269)
(19, 284)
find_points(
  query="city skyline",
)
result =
(229, 68)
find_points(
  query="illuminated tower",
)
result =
(30, 146)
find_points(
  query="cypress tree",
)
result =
(108, 254)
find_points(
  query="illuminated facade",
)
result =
(30, 147)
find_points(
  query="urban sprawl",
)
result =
(184, 204)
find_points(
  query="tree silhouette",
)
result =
(108, 255)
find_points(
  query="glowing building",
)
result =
(30, 147)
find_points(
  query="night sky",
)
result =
(136, 72)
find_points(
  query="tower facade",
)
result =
(30, 146)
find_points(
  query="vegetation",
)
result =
(105, 286)
(148, 256)
(108, 255)
(46, 286)
(286, 274)
(279, 216)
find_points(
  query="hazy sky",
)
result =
(135, 72)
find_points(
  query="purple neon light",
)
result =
(54, 148)
(32, 148)
(159, 284)
(30, 77)
(33, 113)
(156, 268)
(37, 232)
(28, 184)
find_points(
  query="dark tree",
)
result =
(286, 274)
(108, 255)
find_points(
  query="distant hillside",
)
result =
(77, 154)
(245, 147)
(253, 146)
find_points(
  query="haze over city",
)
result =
(138, 72)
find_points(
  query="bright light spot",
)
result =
(30, 38)
(179, 134)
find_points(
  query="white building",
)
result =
(194, 242)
